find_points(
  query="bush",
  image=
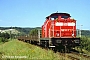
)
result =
(2, 39)
(85, 43)
(5, 35)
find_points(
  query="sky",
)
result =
(32, 13)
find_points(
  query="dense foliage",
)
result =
(34, 32)
(85, 43)
(4, 37)
(86, 33)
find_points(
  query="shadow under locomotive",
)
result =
(60, 43)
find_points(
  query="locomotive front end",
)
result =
(61, 30)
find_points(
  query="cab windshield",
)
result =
(54, 17)
(65, 17)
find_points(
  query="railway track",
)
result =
(69, 56)
(75, 55)
(81, 56)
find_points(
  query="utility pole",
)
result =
(77, 32)
(80, 30)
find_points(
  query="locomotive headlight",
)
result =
(76, 41)
(57, 34)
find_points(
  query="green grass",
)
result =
(15, 49)
(89, 38)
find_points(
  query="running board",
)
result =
(51, 46)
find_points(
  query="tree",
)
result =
(4, 37)
(34, 32)
(85, 43)
(7, 36)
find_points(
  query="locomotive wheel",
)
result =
(66, 49)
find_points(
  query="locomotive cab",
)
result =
(59, 16)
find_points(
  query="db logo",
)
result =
(65, 24)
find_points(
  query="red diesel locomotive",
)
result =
(60, 30)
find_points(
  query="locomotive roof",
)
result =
(57, 14)
(53, 14)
